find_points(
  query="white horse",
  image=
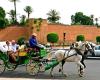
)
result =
(75, 54)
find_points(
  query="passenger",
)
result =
(22, 49)
(5, 47)
(14, 47)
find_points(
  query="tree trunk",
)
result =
(28, 15)
(15, 11)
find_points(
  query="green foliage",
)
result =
(14, 1)
(21, 41)
(52, 37)
(37, 23)
(53, 16)
(12, 16)
(3, 20)
(28, 10)
(80, 18)
(2, 13)
(2, 23)
(80, 38)
(98, 39)
(7, 23)
(23, 20)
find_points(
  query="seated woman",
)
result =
(22, 50)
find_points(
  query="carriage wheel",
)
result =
(32, 68)
(2, 66)
(11, 67)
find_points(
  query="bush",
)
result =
(21, 40)
(80, 38)
(98, 39)
(52, 37)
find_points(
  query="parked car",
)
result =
(96, 52)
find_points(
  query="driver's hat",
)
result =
(34, 34)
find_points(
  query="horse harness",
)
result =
(76, 49)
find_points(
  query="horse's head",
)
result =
(90, 47)
(81, 46)
(84, 47)
(78, 45)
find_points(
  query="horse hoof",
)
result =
(59, 70)
(80, 75)
(65, 75)
(51, 75)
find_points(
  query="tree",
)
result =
(2, 13)
(53, 16)
(96, 19)
(23, 20)
(80, 38)
(2, 18)
(12, 16)
(28, 10)
(92, 17)
(73, 19)
(80, 18)
(14, 1)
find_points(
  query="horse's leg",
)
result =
(81, 71)
(82, 61)
(51, 72)
(61, 69)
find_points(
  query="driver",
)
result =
(34, 43)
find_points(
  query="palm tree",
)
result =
(53, 16)
(92, 17)
(28, 10)
(23, 20)
(96, 19)
(14, 1)
(12, 15)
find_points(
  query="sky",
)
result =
(66, 8)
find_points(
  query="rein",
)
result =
(69, 56)
(77, 50)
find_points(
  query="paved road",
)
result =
(92, 72)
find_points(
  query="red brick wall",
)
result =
(15, 32)
(90, 32)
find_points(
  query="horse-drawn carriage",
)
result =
(37, 61)
(33, 61)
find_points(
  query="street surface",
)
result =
(92, 72)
